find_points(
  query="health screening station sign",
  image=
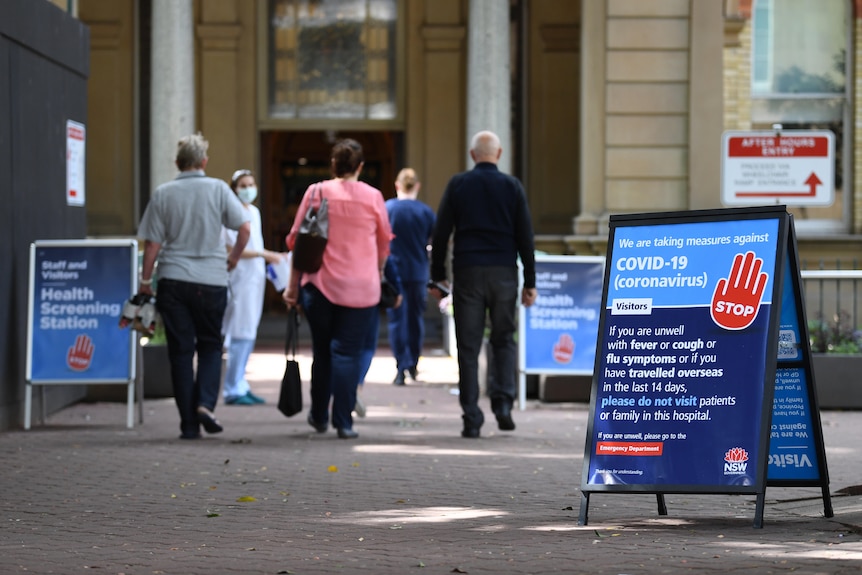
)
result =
(686, 376)
(558, 332)
(76, 296)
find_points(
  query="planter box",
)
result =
(837, 377)
(157, 378)
(157, 372)
(565, 388)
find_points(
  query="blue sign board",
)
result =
(792, 453)
(684, 347)
(703, 371)
(793, 433)
(557, 334)
(77, 292)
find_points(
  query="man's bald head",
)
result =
(485, 147)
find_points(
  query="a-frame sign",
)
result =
(703, 381)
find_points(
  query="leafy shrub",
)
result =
(837, 335)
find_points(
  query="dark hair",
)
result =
(346, 157)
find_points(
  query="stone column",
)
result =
(591, 222)
(488, 75)
(172, 108)
(705, 106)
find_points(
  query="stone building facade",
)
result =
(604, 106)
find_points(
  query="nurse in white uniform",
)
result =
(246, 285)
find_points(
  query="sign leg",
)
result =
(522, 390)
(827, 501)
(28, 404)
(130, 404)
(139, 375)
(43, 409)
(662, 508)
(585, 508)
(758, 510)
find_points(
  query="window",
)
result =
(332, 59)
(799, 71)
(761, 61)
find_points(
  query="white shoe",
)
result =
(359, 408)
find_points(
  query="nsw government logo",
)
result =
(735, 461)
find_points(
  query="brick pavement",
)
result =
(83, 494)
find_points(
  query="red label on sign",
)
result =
(649, 448)
(76, 133)
(778, 147)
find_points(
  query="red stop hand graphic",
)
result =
(736, 299)
(564, 349)
(79, 355)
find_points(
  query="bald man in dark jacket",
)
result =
(487, 211)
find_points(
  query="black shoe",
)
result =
(505, 423)
(347, 433)
(399, 379)
(319, 427)
(190, 436)
(208, 420)
(414, 373)
(504, 417)
(470, 432)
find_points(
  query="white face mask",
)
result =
(247, 195)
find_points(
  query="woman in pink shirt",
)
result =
(341, 298)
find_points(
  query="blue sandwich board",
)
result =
(76, 294)
(700, 311)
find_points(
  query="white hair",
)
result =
(192, 151)
(485, 144)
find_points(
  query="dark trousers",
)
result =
(407, 325)
(339, 336)
(192, 316)
(478, 291)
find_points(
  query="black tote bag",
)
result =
(290, 396)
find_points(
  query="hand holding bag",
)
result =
(312, 236)
(290, 396)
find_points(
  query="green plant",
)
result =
(837, 335)
(159, 337)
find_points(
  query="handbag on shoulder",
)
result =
(312, 236)
(290, 395)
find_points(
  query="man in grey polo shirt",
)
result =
(181, 227)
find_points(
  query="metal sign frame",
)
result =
(82, 291)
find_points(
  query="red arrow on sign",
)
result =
(813, 181)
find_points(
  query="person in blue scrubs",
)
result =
(412, 225)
